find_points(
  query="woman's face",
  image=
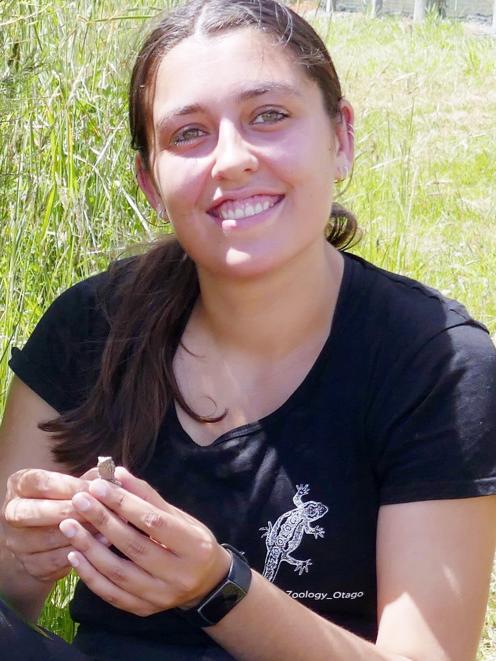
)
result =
(244, 154)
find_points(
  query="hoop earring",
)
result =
(162, 216)
(342, 173)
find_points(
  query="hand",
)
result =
(173, 559)
(36, 502)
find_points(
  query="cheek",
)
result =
(180, 183)
(306, 157)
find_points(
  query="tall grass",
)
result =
(425, 98)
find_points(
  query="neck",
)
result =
(273, 314)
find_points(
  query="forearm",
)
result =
(268, 624)
(22, 592)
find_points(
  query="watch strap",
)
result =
(226, 594)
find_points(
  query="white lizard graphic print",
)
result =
(286, 534)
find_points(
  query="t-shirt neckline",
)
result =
(300, 391)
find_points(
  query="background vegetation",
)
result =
(425, 99)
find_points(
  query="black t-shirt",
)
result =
(399, 406)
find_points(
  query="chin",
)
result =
(240, 265)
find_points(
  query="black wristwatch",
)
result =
(224, 596)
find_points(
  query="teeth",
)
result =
(244, 208)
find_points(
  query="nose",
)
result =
(233, 157)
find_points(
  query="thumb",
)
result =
(90, 474)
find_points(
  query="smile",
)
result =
(239, 209)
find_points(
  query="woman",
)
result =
(331, 421)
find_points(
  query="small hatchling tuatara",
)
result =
(106, 469)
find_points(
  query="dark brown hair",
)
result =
(156, 291)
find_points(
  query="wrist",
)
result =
(219, 571)
(225, 595)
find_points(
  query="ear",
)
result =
(147, 183)
(345, 139)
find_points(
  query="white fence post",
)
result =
(419, 10)
(330, 6)
(494, 16)
(376, 7)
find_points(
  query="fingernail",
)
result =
(99, 488)
(73, 559)
(67, 528)
(80, 502)
(120, 472)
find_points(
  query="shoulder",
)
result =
(409, 301)
(400, 317)
(82, 311)
(429, 372)
(77, 301)
(412, 334)
(61, 357)
(93, 294)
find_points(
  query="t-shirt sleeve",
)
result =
(60, 360)
(433, 420)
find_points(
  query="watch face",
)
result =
(222, 601)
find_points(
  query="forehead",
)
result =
(209, 68)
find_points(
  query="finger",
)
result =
(48, 564)
(164, 526)
(190, 574)
(112, 577)
(107, 590)
(138, 547)
(28, 512)
(38, 483)
(124, 573)
(35, 540)
(146, 492)
(102, 539)
(89, 527)
(141, 488)
(39, 540)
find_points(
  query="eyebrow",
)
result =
(244, 95)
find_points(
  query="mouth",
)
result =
(246, 208)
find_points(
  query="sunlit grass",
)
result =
(425, 100)
(55, 615)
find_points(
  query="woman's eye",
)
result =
(269, 117)
(186, 135)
